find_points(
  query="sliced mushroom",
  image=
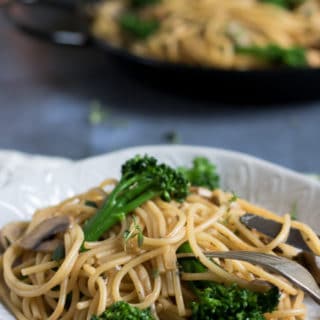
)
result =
(49, 245)
(44, 231)
(11, 233)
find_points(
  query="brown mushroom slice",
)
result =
(44, 231)
(11, 233)
(49, 245)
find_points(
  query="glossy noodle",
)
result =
(142, 271)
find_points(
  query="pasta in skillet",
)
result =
(236, 34)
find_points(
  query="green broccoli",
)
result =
(190, 265)
(138, 27)
(228, 303)
(202, 173)
(292, 57)
(142, 179)
(216, 301)
(287, 4)
(123, 310)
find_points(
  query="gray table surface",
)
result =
(46, 93)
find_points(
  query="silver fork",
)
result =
(287, 268)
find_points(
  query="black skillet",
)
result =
(62, 22)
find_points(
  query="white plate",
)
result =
(271, 186)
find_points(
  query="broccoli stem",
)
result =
(142, 180)
(140, 200)
(96, 226)
(111, 201)
(129, 196)
(110, 215)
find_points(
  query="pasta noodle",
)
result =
(84, 283)
(208, 32)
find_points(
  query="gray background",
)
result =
(46, 94)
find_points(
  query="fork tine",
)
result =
(287, 268)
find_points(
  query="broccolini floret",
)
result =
(123, 310)
(138, 27)
(216, 301)
(274, 54)
(232, 302)
(287, 4)
(202, 173)
(142, 179)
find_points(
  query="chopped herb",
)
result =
(140, 239)
(155, 273)
(226, 218)
(292, 57)
(234, 198)
(172, 137)
(138, 27)
(294, 211)
(97, 114)
(126, 235)
(91, 204)
(136, 231)
(59, 253)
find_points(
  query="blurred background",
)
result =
(78, 102)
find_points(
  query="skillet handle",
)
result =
(21, 13)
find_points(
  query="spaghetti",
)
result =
(211, 32)
(143, 273)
